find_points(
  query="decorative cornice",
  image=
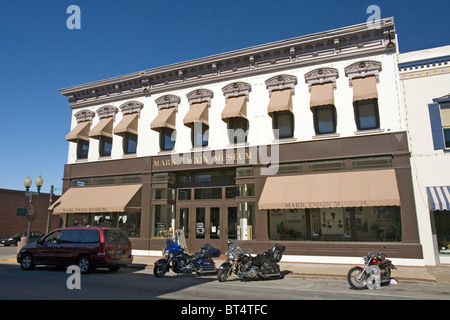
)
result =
(363, 69)
(281, 82)
(432, 62)
(343, 43)
(321, 76)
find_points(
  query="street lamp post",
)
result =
(31, 213)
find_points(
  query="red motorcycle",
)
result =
(375, 272)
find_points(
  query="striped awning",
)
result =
(439, 198)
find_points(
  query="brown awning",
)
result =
(164, 119)
(198, 112)
(80, 132)
(103, 128)
(280, 100)
(322, 95)
(99, 199)
(236, 107)
(364, 88)
(129, 123)
(331, 190)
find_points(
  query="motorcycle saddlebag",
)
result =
(270, 268)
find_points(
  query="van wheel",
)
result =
(27, 262)
(84, 264)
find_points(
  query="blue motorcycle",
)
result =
(177, 259)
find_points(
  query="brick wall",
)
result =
(10, 223)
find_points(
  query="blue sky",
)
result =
(39, 55)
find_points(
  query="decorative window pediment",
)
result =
(237, 89)
(363, 69)
(107, 111)
(84, 115)
(281, 82)
(199, 96)
(321, 76)
(168, 101)
(131, 107)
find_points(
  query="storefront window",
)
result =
(163, 216)
(130, 223)
(336, 224)
(442, 223)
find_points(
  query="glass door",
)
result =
(206, 227)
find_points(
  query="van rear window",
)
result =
(89, 236)
(115, 236)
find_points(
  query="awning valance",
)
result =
(236, 107)
(198, 112)
(80, 132)
(439, 198)
(280, 100)
(364, 88)
(164, 119)
(129, 123)
(103, 128)
(331, 190)
(98, 199)
(322, 95)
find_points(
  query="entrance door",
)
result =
(207, 227)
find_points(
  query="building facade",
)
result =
(13, 213)
(425, 76)
(301, 142)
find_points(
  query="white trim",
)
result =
(349, 260)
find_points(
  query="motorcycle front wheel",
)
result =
(357, 278)
(159, 270)
(223, 274)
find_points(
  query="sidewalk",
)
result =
(429, 274)
(432, 275)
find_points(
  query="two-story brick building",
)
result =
(301, 141)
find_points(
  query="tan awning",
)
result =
(445, 118)
(280, 100)
(80, 132)
(99, 199)
(331, 190)
(365, 88)
(164, 119)
(198, 112)
(103, 128)
(236, 107)
(322, 95)
(129, 123)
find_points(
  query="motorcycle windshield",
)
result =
(173, 247)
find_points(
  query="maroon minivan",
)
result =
(86, 247)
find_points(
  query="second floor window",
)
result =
(105, 146)
(283, 121)
(366, 114)
(82, 149)
(129, 143)
(199, 135)
(166, 139)
(237, 130)
(324, 119)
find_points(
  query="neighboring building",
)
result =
(300, 141)
(13, 211)
(425, 77)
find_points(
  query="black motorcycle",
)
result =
(176, 258)
(246, 266)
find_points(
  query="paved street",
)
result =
(134, 284)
